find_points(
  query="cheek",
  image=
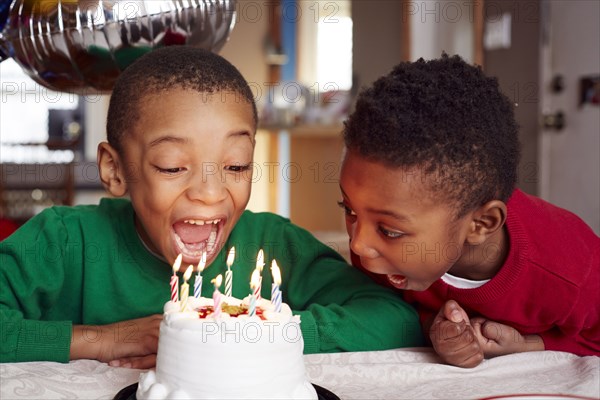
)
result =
(240, 193)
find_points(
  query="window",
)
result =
(325, 45)
(25, 107)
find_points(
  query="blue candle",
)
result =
(275, 291)
(198, 281)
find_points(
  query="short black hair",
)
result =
(446, 118)
(183, 67)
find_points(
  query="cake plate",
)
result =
(128, 393)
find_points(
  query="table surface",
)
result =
(394, 374)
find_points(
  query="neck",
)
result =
(483, 261)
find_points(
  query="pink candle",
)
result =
(175, 279)
(260, 263)
(217, 297)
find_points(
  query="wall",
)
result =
(438, 26)
(517, 70)
(245, 49)
(569, 159)
(377, 38)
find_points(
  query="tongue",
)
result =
(192, 233)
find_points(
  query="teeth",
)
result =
(396, 279)
(193, 253)
(210, 243)
(201, 222)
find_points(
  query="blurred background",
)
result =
(305, 61)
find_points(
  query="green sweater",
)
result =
(86, 265)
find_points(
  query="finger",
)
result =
(492, 331)
(476, 324)
(454, 312)
(466, 350)
(445, 330)
(472, 360)
(144, 362)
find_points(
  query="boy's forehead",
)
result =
(181, 108)
(388, 178)
(161, 101)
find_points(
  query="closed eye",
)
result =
(169, 171)
(238, 168)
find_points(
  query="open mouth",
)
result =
(195, 236)
(397, 281)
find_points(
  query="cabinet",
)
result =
(297, 175)
(26, 189)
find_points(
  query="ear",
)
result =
(486, 221)
(111, 170)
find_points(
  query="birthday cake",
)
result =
(228, 356)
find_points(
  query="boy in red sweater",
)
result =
(428, 186)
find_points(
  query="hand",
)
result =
(130, 344)
(453, 337)
(496, 339)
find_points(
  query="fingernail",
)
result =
(455, 316)
(114, 363)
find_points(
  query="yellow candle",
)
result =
(185, 287)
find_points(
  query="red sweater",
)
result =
(549, 284)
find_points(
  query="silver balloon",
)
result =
(83, 45)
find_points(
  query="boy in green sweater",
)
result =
(91, 281)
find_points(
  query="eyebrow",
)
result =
(168, 139)
(239, 133)
(387, 213)
(180, 140)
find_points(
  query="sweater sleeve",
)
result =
(579, 331)
(31, 278)
(342, 309)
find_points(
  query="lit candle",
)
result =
(185, 288)
(198, 280)
(217, 297)
(228, 273)
(260, 263)
(275, 291)
(253, 299)
(175, 279)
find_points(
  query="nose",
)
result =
(360, 243)
(208, 185)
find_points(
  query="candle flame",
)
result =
(254, 280)
(260, 260)
(202, 262)
(188, 273)
(230, 257)
(177, 263)
(217, 281)
(276, 273)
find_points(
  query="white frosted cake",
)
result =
(233, 356)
